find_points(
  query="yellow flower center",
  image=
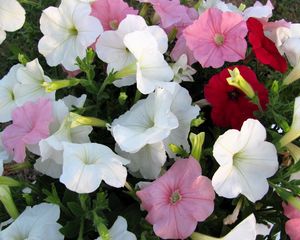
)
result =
(219, 39)
(175, 197)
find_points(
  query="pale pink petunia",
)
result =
(216, 37)
(111, 12)
(290, 211)
(178, 200)
(181, 48)
(292, 228)
(30, 125)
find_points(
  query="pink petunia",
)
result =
(178, 200)
(292, 226)
(111, 12)
(216, 37)
(30, 125)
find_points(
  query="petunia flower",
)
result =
(30, 125)
(294, 131)
(4, 155)
(12, 17)
(118, 231)
(111, 12)
(263, 48)
(147, 162)
(68, 31)
(182, 71)
(238, 107)
(86, 165)
(216, 37)
(245, 230)
(178, 200)
(31, 78)
(258, 10)
(292, 225)
(37, 222)
(8, 94)
(246, 161)
(149, 121)
(219, 4)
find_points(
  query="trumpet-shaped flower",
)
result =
(7, 94)
(246, 161)
(111, 48)
(37, 222)
(147, 162)
(149, 121)
(152, 70)
(68, 31)
(294, 131)
(118, 231)
(263, 48)
(292, 225)
(245, 230)
(216, 37)
(86, 165)
(111, 12)
(182, 71)
(12, 17)
(259, 11)
(30, 125)
(4, 156)
(185, 112)
(31, 78)
(178, 200)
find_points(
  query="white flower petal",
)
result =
(49, 167)
(12, 15)
(148, 161)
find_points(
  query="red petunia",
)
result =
(264, 49)
(230, 106)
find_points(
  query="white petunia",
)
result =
(71, 101)
(12, 17)
(4, 155)
(258, 10)
(149, 121)
(245, 230)
(151, 69)
(294, 131)
(147, 162)
(184, 111)
(246, 161)
(7, 93)
(224, 7)
(111, 49)
(37, 222)
(182, 71)
(31, 77)
(86, 165)
(68, 31)
(118, 231)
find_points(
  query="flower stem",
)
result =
(80, 235)
(137, 96)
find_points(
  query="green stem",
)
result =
(144, 10)
(19, 166)
(108, 80)
(80, 235)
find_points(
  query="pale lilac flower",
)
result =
(68, 31)
(178, 200)
(246, 161)
(111, 12)
(12, 17)
(37, 222)
(30, 125)
(217, 37)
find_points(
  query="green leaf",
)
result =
(76, 209)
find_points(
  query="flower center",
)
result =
(219, 39)
(234, 95)
(175, 197)
(113, 24)
(73, 31)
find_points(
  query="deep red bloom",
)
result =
(230, 106)
(264, 49)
